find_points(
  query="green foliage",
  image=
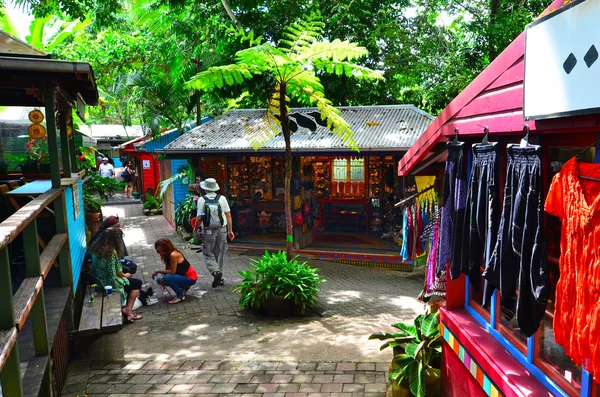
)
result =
(151, 202)
(415, 347)
(182, 174)
(275, 275)
(184, 209)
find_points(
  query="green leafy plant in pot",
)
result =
(277, 286)
(417, 352)
(183, 211)
(152, 204)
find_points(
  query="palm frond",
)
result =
(335, 121)
(261, 131)
(336, 50)
(219, 76)
(347, 69)
(262, 58)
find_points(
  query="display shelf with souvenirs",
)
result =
(260, 178)
(238, 181)
(278, 177)
(375, 176)
(322, 178)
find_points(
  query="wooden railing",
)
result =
(28, 301)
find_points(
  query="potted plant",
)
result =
(415, 368)
(183, 212)
(30, 164)
(277, 286)
(152, 205)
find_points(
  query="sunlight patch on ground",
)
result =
(343, 296)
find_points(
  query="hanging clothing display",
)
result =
(453, 205)
(520, 252)
(480, 227)
(404, 253)
(576, 202)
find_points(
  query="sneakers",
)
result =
(217, 279)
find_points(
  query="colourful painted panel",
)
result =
(77, 241)
(484, 381)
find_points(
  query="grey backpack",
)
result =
(213, 214)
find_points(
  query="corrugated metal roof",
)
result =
(394, 127)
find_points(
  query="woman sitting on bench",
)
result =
(179, 274)
(107, 270)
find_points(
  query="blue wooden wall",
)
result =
(77, 241)
(180, 189)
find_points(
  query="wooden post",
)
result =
(72, 148)
(64, 143)
(31, 250)
(48, 93)
(10, 375)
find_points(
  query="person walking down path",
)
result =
(106, 169)
(108, 271)
(179, 274)
(214, 217)
(128, 174)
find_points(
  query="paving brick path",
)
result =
(206, 346)
(225, 378)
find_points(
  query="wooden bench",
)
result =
(101, 316)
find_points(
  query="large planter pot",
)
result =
(29, 169)
(45, 168)
(432, 385)
(278, 306)
(187, 225)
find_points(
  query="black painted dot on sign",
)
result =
(591, 56)
(570, 63)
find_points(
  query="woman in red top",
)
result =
(179, 274)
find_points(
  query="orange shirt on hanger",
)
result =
(576, 202)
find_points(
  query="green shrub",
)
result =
(273, 275)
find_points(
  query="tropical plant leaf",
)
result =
(430, 325)
(403, 360)
(409, 329)
(218, 76)
(411, 349)
(416, 378)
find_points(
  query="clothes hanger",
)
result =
(486, 141)
(580, 156)
(524, 141)
(455, 141)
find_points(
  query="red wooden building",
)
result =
(483, 353)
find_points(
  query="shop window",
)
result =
(349, 170)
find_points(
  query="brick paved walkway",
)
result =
(206, 347)
(214, 378)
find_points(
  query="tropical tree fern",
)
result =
(293, 67)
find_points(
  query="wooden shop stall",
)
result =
(519, 309)
(342, 200)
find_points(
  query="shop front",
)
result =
(343, 201)
(517, 248)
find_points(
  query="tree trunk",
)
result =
(230, 13)
(285, 129)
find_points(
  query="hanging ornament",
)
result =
(69, 131)
(35, 116)
(36, 131)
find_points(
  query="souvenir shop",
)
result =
(343, 201)
(515, 258)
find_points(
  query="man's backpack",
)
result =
(213, 214)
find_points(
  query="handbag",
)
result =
(299, 218)
(128, 266)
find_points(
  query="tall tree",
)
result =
(292, 70)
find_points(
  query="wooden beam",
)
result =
(48, 256)
(91, 314)
(48, 93)
(64, 143)
(16, 223)
(8, 337)
(24, 299)
(10, 375)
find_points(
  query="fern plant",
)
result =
(293, 68)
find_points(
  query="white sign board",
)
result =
(562, 64)
(146, 164)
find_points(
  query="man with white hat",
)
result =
(106, 169)
(214, 217)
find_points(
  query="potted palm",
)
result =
(278, 287)
(415, 367)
